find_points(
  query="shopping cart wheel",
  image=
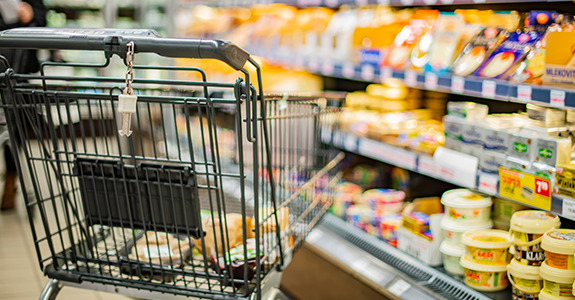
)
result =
(51, 290)
(275, 294)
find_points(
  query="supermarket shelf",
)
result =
(391, 269)
(433, 167)
(449, 83)
(336, 3)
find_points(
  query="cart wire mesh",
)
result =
(215, 188)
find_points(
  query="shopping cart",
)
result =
(156, 188)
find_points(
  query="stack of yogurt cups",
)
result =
(525, 271)
(465, 211)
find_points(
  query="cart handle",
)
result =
(113, 41)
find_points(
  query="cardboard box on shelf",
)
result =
(560, 58)
(409, 237)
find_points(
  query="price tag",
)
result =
(383, 2)
(350, 143)
(388, 154)
(524, 93)
(406, 2)
(411, 78)
(429, 2)
(332, 3)
(558, 98)
(525, 188)
(488, 183)
(348, 70)
(313, 64)
(568, 209)
(488, 89)
(361, 2)
(367, 72)
(426, 165)
(458, 84)
(447, 1)
(431, 81)
(385, 73)
(399, 287)
(327, 67)
(299, 62)
(314, 2)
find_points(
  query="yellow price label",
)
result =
(526, 188)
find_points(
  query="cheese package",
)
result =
(560, 58)
(445, 41)
(502, 61)
(507, 20)
(539, 20)
(552, 151)
(399, 53)
(479, 48)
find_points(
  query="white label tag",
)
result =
(568, 209)
(524, 93)
(426, 165)
(488, 183)
(383, 2)
(361, 2)
(332, 3)
(399, 287)
(488, 89)
(348, 70)
(458, 84)
(367, 72)
(407, 2)
(385, 73)
(389, 154)
(429, 2)
(327, 67)
(157, 252)
(313, 64)
(411, 78)
(557, 98)
(350, 143)
(431, 81)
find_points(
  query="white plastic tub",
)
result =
(453, 230)
(487, 247)
(468, 207)
(451, 257)
(488, 278)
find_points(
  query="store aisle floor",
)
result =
(20, 275)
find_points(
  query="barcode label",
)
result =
(399, 287)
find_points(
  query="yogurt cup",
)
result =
(559, 246)
(557, 282)
(451, 257)
(465, 206)
(453, 230)
(489, 278)
(487, 247)
(525, 280)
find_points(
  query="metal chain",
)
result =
(130, 73)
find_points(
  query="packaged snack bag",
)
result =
(502, 62)
(445, 41)
(477, 50)
(405, 41)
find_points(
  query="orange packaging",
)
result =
(401, 49)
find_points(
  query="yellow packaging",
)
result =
(487, 247)
(557, 282)
(484, 277)
(559, 58)
(559, 246)
(565, 179)
(527, 229)
(508, 20)
(525, 280)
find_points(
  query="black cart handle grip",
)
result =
(113, 41)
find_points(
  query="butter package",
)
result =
(445, 41)
(490, 161)
(560, 58)
(546, 117)
(521, 145)
(453, 129)
(467, 110)
(502, 62)
(495, 139)
(472, 135)
(479, 48)
(565, 180)
(400, 52)
(552, 151)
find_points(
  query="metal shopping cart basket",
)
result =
(208, 197)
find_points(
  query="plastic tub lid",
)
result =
(523, 271)
(451, 225)
(534, 221)
(464, 198)
(545, 296)
(489, 239)
(560, 241)
(451, 250)
(467, 263)
(556, 275)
